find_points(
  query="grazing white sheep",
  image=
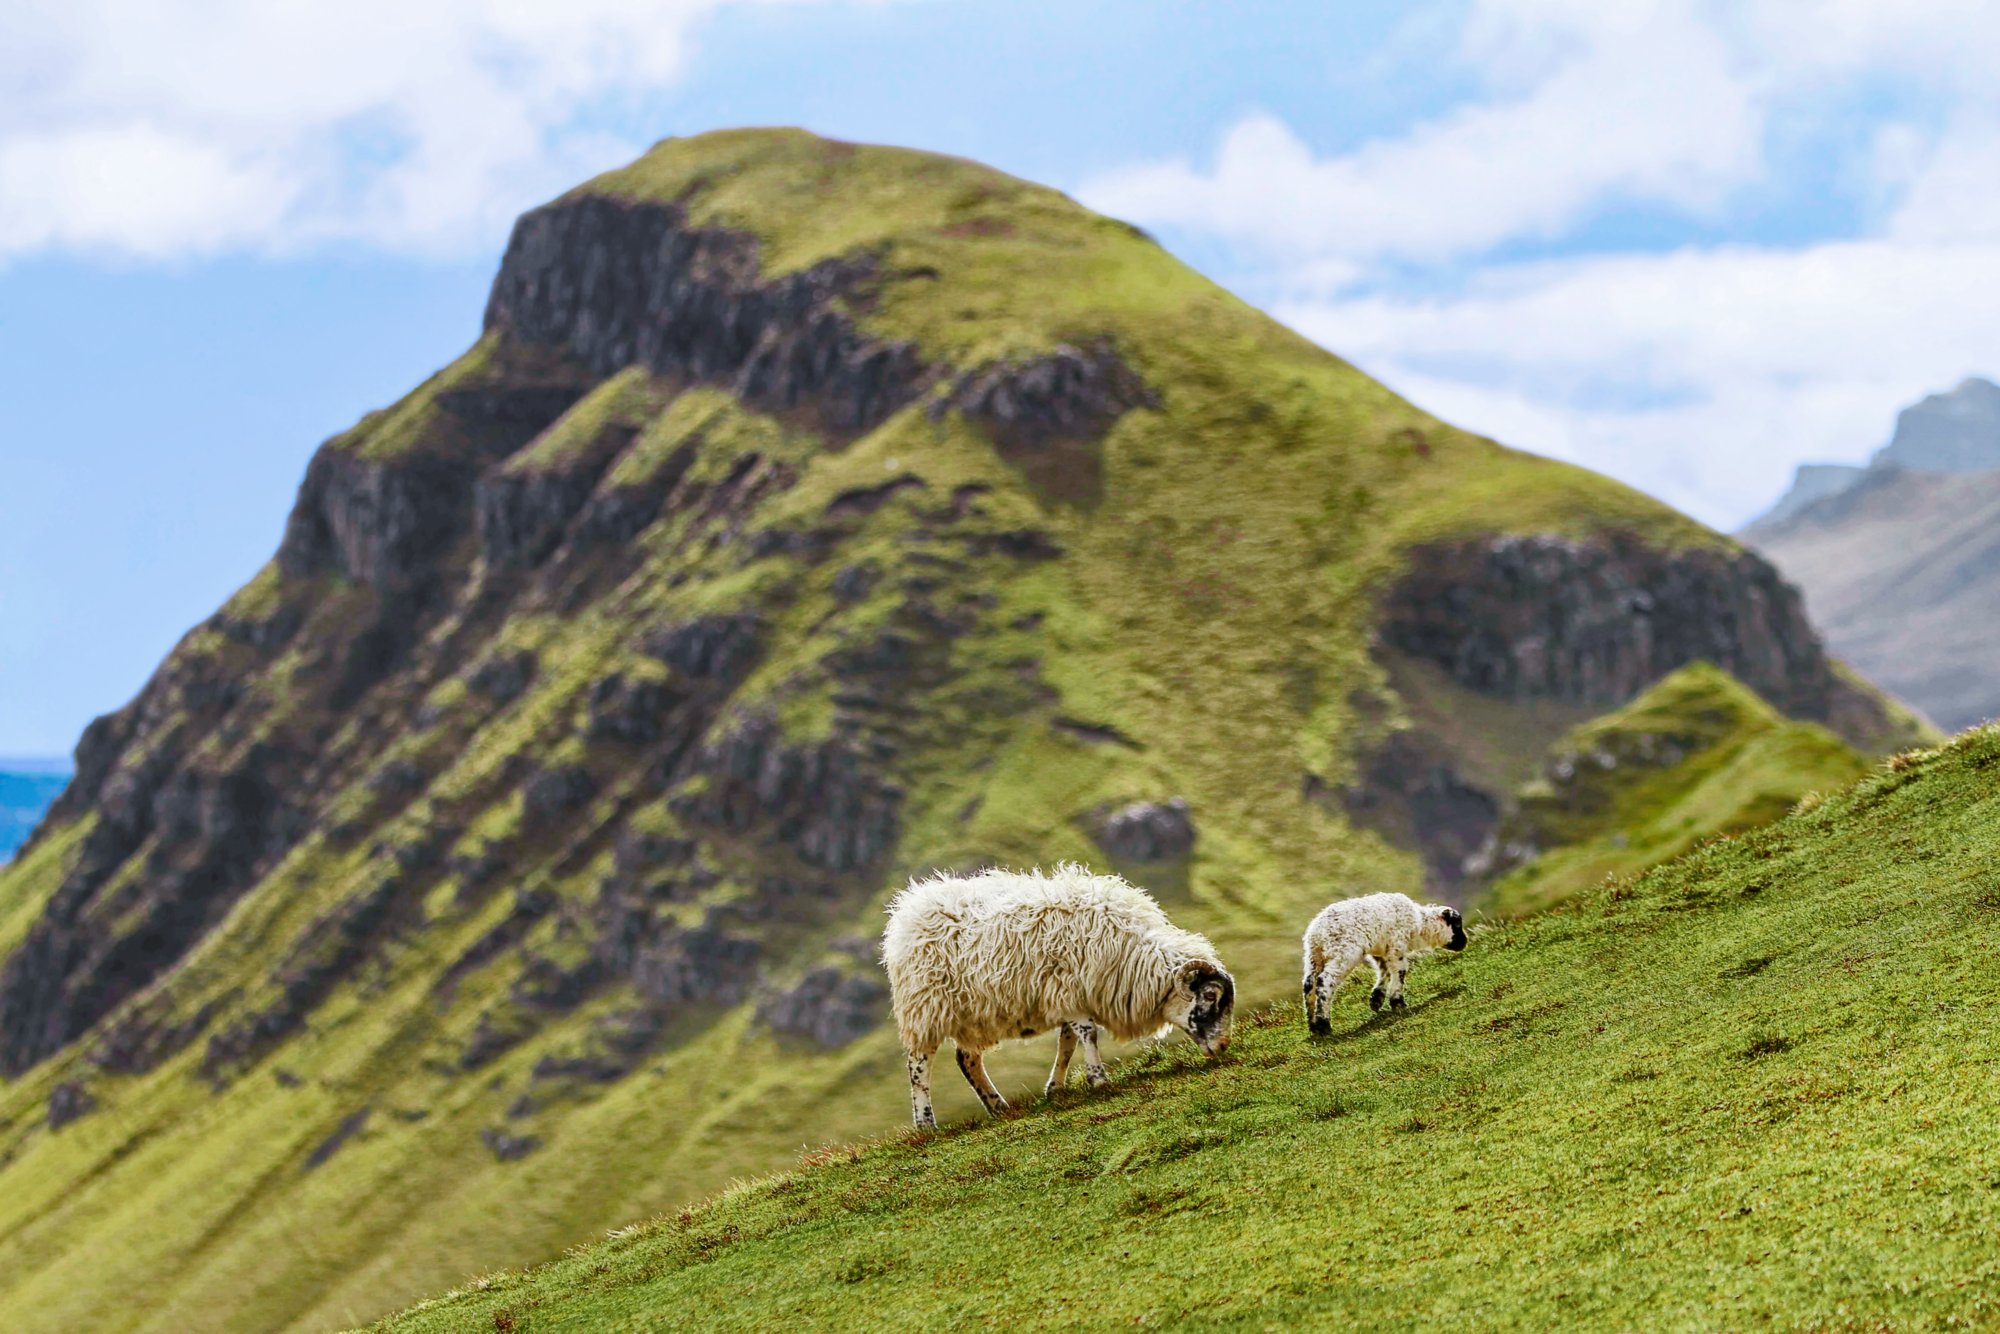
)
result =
(1387, 930)
(1004, 954)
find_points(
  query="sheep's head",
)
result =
(1445, 927)
(1202, 999)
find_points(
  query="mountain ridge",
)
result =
(1957, 431)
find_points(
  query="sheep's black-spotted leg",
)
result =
(920, 1092)
(1065, 1048)
(1093, 1063)
(1381, 991)
(973, 1063)
(1315, 1020)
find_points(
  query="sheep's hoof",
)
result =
(1320, 1027)
(1399, 1004)
(1375, 999)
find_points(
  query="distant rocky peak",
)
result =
(1812, 483)
(1954, 432)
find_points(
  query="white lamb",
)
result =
(1387, 930)
(1003, 954)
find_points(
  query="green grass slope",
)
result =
(1698, 754)
(375, 1069)
(1752, 1088)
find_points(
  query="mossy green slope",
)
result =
(1697, 755)
(1754, 1087)
(385, 1061)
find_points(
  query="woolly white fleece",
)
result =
(1008, 954)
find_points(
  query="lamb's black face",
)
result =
(1457, 925)
(1214, 994)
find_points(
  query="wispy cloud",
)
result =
(153, 130)
(1700, 369)
(1646, 111)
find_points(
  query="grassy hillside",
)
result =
(1754, 1087)
(1697, 755)
(808, 515)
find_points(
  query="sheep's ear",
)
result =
(1197, 974)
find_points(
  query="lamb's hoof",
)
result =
(1399, 1004)
(1320, 1027)
(1375, 999)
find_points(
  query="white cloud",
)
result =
(1953, 193)
(153, 130)
(1703, 374)
(132, 187)
(1643, 106)
(1700, 376)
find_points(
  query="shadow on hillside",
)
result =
(1380, 1019)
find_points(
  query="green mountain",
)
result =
(1752, 1088)
(503, 863)
(1695, 756)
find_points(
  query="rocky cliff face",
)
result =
(615, 284)
(807, 516)
(1593, 623)
(1596, 622)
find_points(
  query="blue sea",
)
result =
(26, 789)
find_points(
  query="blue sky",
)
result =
(1688, 244)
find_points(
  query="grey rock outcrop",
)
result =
(821, 799)
(1597, 622)
(616, 284)
(829, 1006)
(69, 1101)
(1069, 394)
(1147, 831)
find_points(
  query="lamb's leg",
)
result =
(1331, 975)
(973, 1063)
(1065, 1048)
(1398, 970)
(1093, 1064)
(920, 1090)
(1381, 991)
